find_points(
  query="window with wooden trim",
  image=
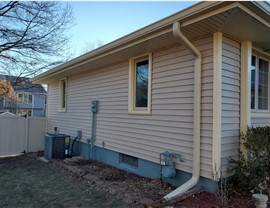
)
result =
(259, 84)
(62, 95)
(140, 71)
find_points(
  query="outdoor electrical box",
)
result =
(94, 106)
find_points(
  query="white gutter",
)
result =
(196, 114)
(201, 7)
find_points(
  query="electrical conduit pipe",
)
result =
(196, 114)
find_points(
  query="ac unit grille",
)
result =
(55, 146)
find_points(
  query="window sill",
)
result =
(262, 114)
(62, 110)
(24, 103)
(137, 112)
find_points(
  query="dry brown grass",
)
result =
(27, 182)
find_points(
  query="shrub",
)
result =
(251, 171)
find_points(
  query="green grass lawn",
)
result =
(28, 182)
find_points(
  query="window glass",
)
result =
(30, 98)
(263, 85)
(141, 83)
(25, 98)
(62, 94)
(253, 78)
(259, 84)
(20, 98)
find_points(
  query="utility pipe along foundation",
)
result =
(196, 114)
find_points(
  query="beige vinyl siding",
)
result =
(230, 122)
(260, 121)
(206, 48)
(170, 125)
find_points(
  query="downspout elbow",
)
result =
(196, 114)
(182, 38)
(182, 189)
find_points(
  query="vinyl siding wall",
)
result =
(39, 101)
(230, 126)
(260, 121)
(170, 125)
(39, 105)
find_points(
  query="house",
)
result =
(175, 94)
(31, 98)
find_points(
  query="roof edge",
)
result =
(163, 23)
(263, 5)
(184, 15)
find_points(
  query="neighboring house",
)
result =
(187, 84)
(31, 98)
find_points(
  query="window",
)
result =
(259, 84)
(62, 95)
(24, 97)
(129, 160)
(24, 112)
(140, 69)
(20, 97)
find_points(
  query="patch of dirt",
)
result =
(207, 200)
(136, 190)
(131, 188)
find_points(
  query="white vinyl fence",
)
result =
(19, 134)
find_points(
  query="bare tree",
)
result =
(32, 36)
(89, 46)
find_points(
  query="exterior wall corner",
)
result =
(217, 90)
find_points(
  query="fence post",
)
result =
(26, 137)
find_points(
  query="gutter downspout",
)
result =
(196, 114)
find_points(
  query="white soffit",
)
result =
(231, 20)
(235, 23)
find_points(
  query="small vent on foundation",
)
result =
(130, 160)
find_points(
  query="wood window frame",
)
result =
(256, 104)
(132, 109)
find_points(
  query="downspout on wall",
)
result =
(196, 114)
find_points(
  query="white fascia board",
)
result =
(163, 24)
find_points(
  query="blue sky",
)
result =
(108, 21)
